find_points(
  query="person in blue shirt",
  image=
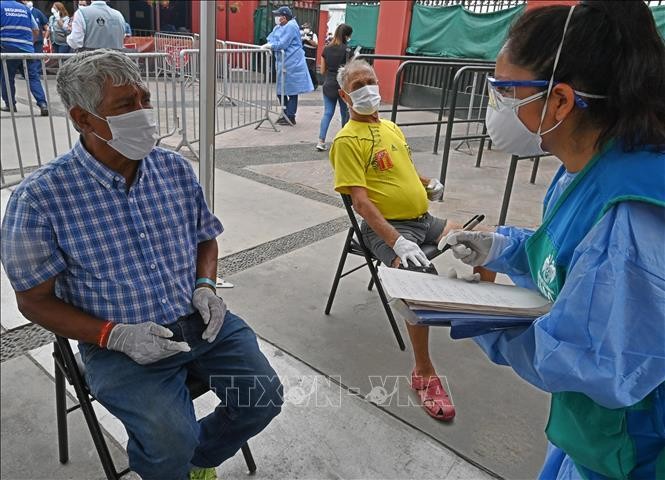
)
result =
(586, 83)
(18, 32)
(42, 25)
(291, 68)
(112, 244)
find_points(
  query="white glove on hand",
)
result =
(470, 278)
(212, 309)
(409, 251)
(267, 46)
(144, 342)
(471, 247)
(434, 190)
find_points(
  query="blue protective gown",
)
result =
(607, 327)
(292, 63)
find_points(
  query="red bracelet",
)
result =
(104, 335)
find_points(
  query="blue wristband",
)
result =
(207, 282)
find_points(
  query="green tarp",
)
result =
(659, 16)
(363, 19)
(261, 26)
(457, 32)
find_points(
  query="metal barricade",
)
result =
(243, 96)
(479, 75)
(33, 139)
(172, 44)
(462, 73)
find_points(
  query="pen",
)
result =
(470, 225)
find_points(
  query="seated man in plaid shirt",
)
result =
(112, 244)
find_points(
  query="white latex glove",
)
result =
(409, 251)
(144, 342)
(267, 46)
(471, 277)
(212, 309)
(434, 190)
(471, 247)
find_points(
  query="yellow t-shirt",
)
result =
(376, 156)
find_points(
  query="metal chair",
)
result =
(355, 245)
(70, 367)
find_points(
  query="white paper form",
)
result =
(457, 294)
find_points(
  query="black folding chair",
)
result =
(355, 245)
(70, 367)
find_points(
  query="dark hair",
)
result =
(611, 48)
(341, 33)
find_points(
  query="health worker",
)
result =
(290, 66)
(587, 83)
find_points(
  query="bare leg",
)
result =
(434, 398)
(420, 342)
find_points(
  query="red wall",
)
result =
(392, 35)
(323, 31)
(241, 22)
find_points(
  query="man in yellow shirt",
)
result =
(372, 163)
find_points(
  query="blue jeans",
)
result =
(61, 48)
(329, 111)
(34, 73)
(155, 407)
(290, 102)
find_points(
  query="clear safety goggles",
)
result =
(502, 93)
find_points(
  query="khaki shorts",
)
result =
(423, 230)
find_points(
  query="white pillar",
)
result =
(207, 101)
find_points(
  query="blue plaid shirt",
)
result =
(125, 256)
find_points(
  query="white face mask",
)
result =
(55, 12)
(277, 22)
(506, 129)
(134, 134)
(307, 30)
(29, 5)
(366, 100)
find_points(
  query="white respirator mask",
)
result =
(366, 100)
(134, 134)
(277, 22)
(507, 131)
(504, 126)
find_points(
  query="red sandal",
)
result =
(434, 398)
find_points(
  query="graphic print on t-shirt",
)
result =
(382, 161)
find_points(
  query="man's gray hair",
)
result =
(81, 79)
(347, 71)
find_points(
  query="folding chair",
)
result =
(70, 367)
(355, 245)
